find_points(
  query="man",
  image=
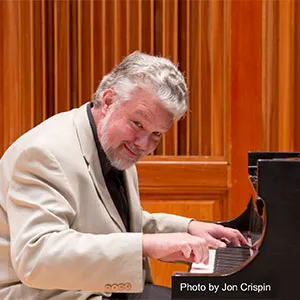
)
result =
(71, 224)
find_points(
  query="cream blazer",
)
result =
(61, 236)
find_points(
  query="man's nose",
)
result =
(142, 142)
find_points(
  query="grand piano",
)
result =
(270, 269)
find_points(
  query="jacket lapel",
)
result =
(90, 154)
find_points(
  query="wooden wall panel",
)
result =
(61, 56)
(75, 67)
(296, 63)
(195, 55)
(99, 19)
(206, 70)
(280, 71)
(59, 42)
(2, 94)
(245, 96)
(12, 123)
(208, 208)
(134, 26)
(218, 78)
(170, 50)
(183, 126)
(285, 89)
(147, 32)
(270, 64)
(26, 60)
(85, 50)
(177, 179)
(268, 119)
(42, 86)
(203, 129)
(49, 32)
(72, 44)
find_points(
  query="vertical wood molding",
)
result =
(227, 81)
(170, 50)
(217, 87)
(86, 47)
(40, 64)
(92, 47)
(286, 116)
(147, 28)
(206, 80)
(186, 132)
(98, 41)
(297, 77)
(267, 68)
(12, 114)
(61, 56)
(195, 78)
(2, 93)
(26, 69)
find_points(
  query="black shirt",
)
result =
(113, 177)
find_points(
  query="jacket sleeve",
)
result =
(46, 252)
(164, 223)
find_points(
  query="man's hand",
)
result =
(217, 235)
(175, 246)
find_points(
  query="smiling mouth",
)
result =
(130, 151)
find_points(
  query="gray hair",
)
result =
(153, 73)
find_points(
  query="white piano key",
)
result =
(205, 269)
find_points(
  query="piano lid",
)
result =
(253, 158)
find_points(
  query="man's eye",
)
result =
(157, 134)
(137, 124)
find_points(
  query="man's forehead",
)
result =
(144, 106)
(142, 113)
(162, 119)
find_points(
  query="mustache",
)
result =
(134, 149)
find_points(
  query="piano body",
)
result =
(271, 221)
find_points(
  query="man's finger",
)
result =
(186, 250)
(215, 243)
(200, 250)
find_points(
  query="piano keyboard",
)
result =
(205, 269)
(222, 260)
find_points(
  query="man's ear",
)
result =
(107, 100)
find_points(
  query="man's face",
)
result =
(132, 129)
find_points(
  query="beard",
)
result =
(116, 155)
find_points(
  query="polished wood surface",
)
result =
(245, 96)
(240, 60)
